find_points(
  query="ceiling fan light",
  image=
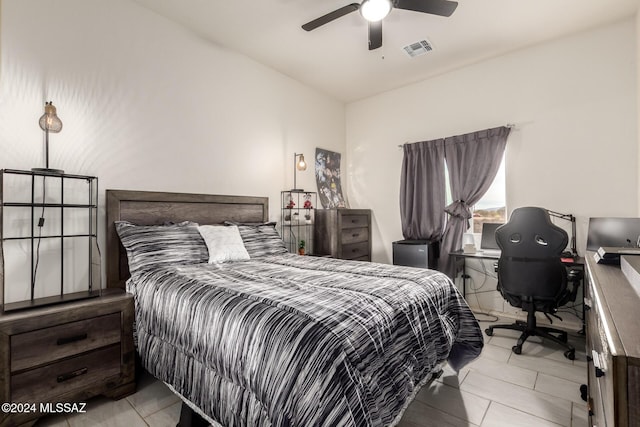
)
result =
(375, 10)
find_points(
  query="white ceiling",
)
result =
(335, 60)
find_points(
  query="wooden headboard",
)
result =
(155, 208)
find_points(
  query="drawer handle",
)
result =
(68, 340)
(70, 375)
(355, 234)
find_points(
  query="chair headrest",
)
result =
(531, 234)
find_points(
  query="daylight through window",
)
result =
(492, 206)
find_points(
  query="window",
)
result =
(492, 206)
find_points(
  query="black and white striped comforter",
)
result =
(300, 341)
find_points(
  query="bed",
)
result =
(280, 339)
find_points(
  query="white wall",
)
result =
(147, 105)
(575, 147)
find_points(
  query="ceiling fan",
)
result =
(375, 10)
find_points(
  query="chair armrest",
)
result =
(574, 276)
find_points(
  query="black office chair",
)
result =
(531, 275)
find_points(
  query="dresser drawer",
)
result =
(34, 348)
(355, 251)
(354, 235)
(355, 221)
(56, 379)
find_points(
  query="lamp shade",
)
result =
(50, 120)
(301, 165)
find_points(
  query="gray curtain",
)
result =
(473, 161)
(422, 191)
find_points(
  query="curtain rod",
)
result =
(508, 125)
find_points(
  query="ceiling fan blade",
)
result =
(375, 35)
(325, 19)
(434, 7)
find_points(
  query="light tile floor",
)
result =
(538, 388)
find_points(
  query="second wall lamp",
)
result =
(49, 123)
(299, 165)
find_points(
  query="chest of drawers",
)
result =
(66, 353)
(343, 233)
(613, 347)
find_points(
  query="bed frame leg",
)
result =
(189, 418)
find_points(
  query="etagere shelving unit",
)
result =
(298, 219)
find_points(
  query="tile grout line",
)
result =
(520, 409)
(144, 420)
(485, 413)
(468, 422)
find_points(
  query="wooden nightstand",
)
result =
(67, 353)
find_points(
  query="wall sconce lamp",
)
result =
(299, 165)
(49, 123)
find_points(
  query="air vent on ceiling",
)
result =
(418, 48)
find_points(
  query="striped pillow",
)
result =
(149, 245)
(260, 239)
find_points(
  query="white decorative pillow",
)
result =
(224, 243)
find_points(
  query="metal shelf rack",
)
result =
(297, 220)
(72, 203)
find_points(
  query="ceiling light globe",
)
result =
(375, 10)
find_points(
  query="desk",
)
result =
(461, 258)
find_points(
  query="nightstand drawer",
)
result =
(42, 384)
(34, 348)
(354, 235)
(355, 221)
(355, 250)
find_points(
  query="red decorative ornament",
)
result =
(307, 201)
(291, 203)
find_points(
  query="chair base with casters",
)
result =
(531, 329)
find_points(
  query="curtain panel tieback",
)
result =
(459, 209)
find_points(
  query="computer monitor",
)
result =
(488, 237)
(616, 232)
